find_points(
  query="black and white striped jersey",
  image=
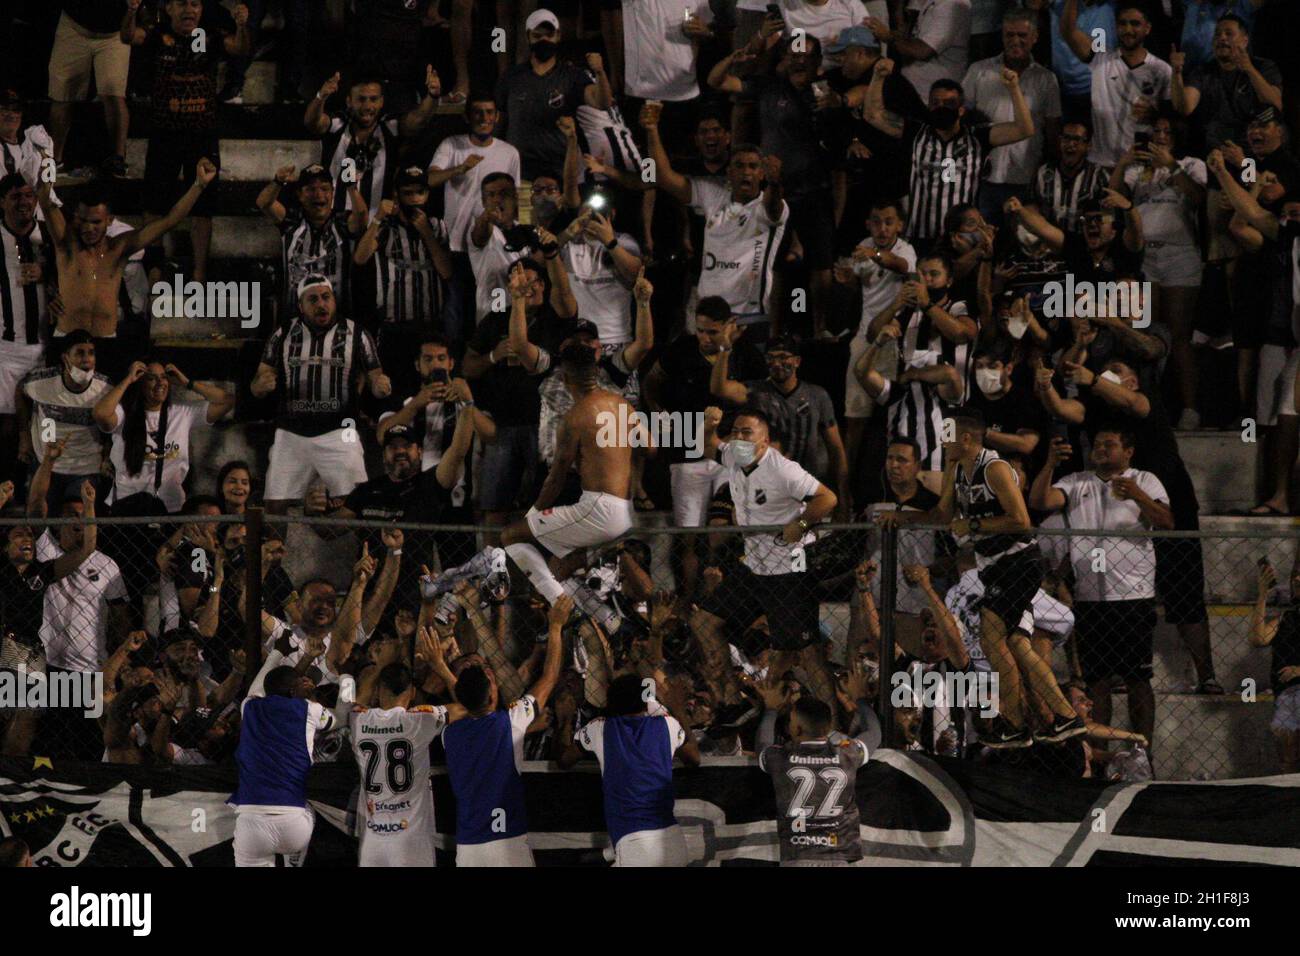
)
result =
(408, 288)
(944, 174)
(374, 161)
(23, 306)
(317, 373)
(310, 250)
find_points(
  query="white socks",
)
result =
(533, 564)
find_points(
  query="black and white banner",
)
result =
(915, 811)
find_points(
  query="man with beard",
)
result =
(947, 155)
(91, 263)
(432, 414)
(1128, 83)
(317, 414)
(363, 142)
(315, 239)
(409, 250)
(533, 95)
(1226, 104)
(26, 268)
(405, 494)
(801, 412)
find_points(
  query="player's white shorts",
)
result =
(597, 518)
(335, 457)
(512, 852)
(694, 483)
(666, 847)
(1048, 614)
(15, 362)
(1279, 367)
(408, 848)
(260, 836)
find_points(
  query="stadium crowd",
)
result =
(964, 264)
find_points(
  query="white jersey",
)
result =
(491, 265)
(1168, 216)
(659, 56)
(740, 243)
(880, 286)
(1115, 87)
(462, 197)
(166, 457)
(602, 299)
(773, 492)
(395, 805)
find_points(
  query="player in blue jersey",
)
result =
(635, 744)
(485, 753)
(276, 737)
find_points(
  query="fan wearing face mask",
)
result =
(1015, 421)
(534, 94)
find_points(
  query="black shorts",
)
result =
(1180, 579)
(1010, 584)
(786, 599)
(1115, 638)
(812, 216)
(169, 164)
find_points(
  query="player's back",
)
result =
(605, 422)
(816, 799)
(395, 806)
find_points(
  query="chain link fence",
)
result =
(141, 651)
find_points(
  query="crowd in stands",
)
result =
(966, 264)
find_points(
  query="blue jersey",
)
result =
(274, 753)
(484, 757)
(636, 768)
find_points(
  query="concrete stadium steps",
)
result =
(1223, 468)
(244, 160)
(233, 237)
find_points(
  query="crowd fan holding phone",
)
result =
(834, 232)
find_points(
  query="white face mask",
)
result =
(80, 375)
(989, 380)
(1017, 326)
(1111, 377)
(744, 452)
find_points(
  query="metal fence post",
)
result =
(888, 601)
(254, 535)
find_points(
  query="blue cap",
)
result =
(853, 36)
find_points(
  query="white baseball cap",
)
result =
(538, 17)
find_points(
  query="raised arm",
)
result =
(721, 384)
(556, 619)
(954, 648)
(69, 561)
(1043, 496)
(448, 469)
(151, 232)
(644, 334)
(1022, 127)
(315, 119)
(238, 43)
(1243, 202)
(1036, 222)
(873, 109)
(220, 401)
(130, 32)
(105, 410)
(666, 178)
(268, 200)
(417, 117)
(598, 95)
(1078, 41)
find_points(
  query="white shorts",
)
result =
(260, 836)
(512, 852)
(15, 362)
(1048, 614)
(1286, 711)
(296, 460)
(408, 848)
(666, 847)
(1275, 387)
(597, 518)
(694, 483)
(1172, 265)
